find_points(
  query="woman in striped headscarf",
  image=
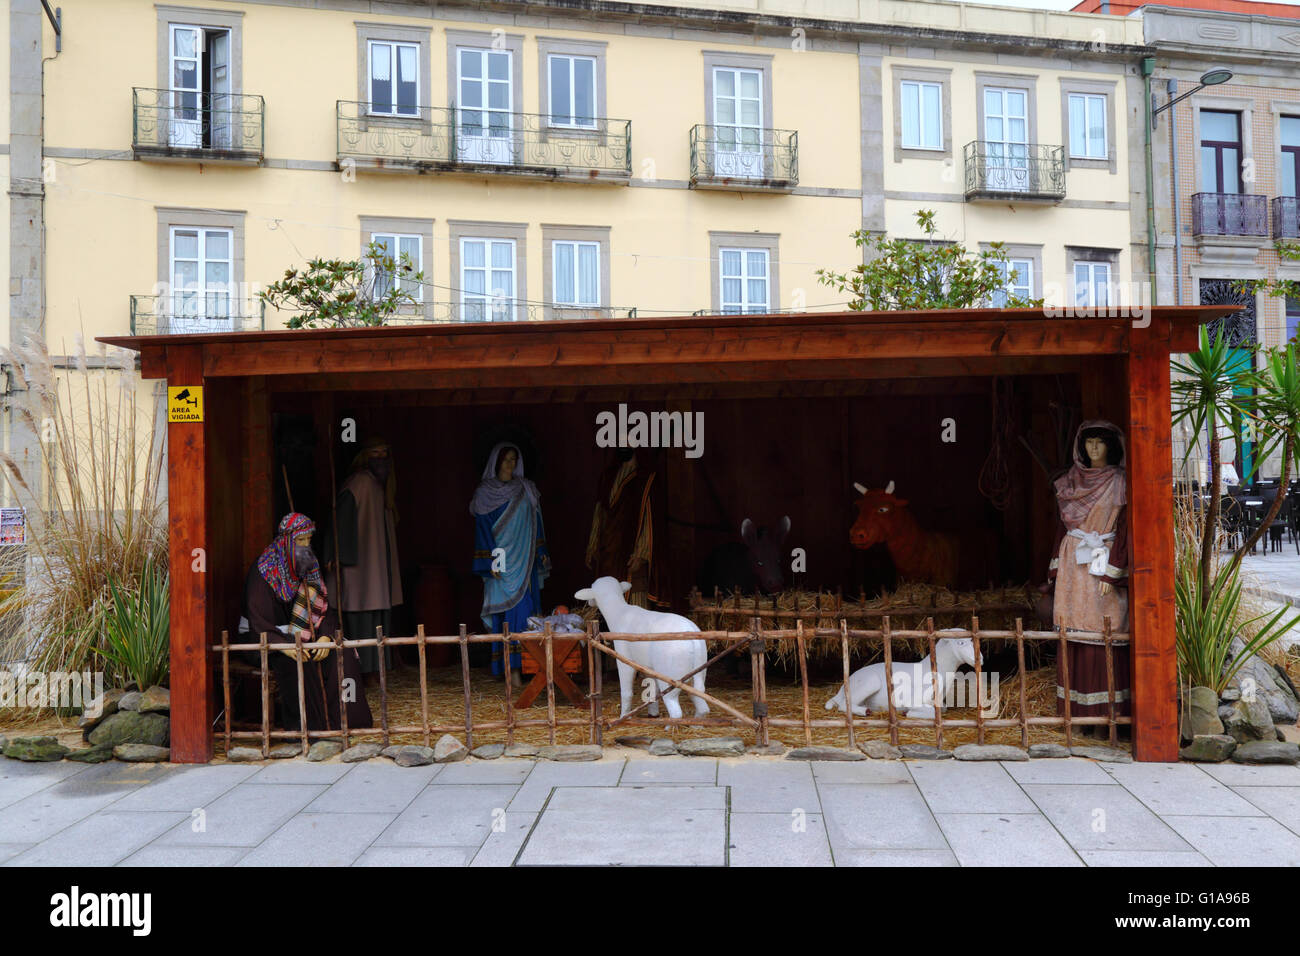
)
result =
(284, 595)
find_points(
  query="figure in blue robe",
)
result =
(509, 546)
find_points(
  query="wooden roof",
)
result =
(681, 348)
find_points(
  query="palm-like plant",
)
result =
(1205, 396)
(1275, 408)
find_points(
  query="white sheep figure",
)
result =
(913, 683)
(673, 659)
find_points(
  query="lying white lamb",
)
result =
(673, 659)
(913, 682)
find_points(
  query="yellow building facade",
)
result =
(540, 163)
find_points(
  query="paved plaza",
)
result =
(650, 810)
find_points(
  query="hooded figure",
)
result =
(623, 529)
(1090, 568)
(284, 595)
(509, 545)
(367, 519)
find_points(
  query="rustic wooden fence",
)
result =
(755, 641)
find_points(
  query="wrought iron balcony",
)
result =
(728, 157)
(187, 125)
(434, 139)
(1229, 214)
(180, 314)
(1286, 217)
(1012, 171)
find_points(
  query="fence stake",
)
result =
(1110, 678)
(505, 669)
(802, 647)
(889, 681)
(383, 683)
(339, 651)
(936, 688)
(979, 679)
(1024, 694)
(266, 701)
(591, 686)
(759, 661)
(225, 680)
(302, 691)
(550, 683)
(424, 683)
(464, 679)
(598, 674)
(1065, 686)
(848, 702)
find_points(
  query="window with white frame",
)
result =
(397, 246)
(1092, 284)
(394, 78)
(572, 90)
(487, 279)
(922, 114)
(744, 275)
(1017, 280)
(577, 273)
(1088, 126)
(201, 263)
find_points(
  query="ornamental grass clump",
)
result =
(1207, 619)
(88, 589)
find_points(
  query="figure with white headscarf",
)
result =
(1089, 569)
(509, 546)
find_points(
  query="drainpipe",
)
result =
(1178, 226)
(1149, 67)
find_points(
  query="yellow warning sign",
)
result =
(185, 403)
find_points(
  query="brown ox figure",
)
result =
(918, 555)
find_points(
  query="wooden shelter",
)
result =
(225, 489)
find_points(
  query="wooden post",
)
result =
(302, 690)
(505, 669)
(889, 681)
(591, 686)
(979, 679)
(383, 684)
(1110, 677)
(848, 699)
(802, 648)
(1064, 666)
(225, 680)
(338, 671)
(1024, 693)
(936, 688)
(550, 684)
(266, 699)
(759, 663)
(187, 525)
(424, 683)
(464, 679)
(1151, 538)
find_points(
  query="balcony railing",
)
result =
(481, 142)
(188, 125)
(1286, 217)
(180, 314)
(729, 157)
(1229, 214)
(1004, 171)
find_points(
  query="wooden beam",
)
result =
(187, 517)
(679, 347)
(1151, 536)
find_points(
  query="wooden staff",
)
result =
(424, 688)
(803, 679)
(225, 681)
(979, 676)
(848, 698)
(1065, 685)
(936, 687)
(1110, 677)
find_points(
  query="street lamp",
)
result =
(1208, 78)
(1213, 77)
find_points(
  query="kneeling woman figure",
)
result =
(284, 594)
